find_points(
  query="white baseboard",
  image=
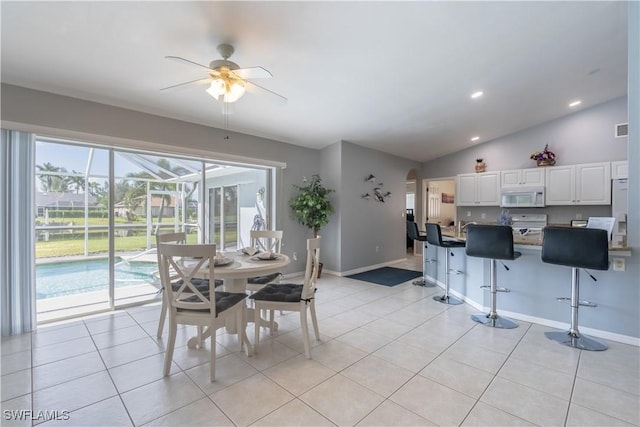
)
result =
(363, 269)
(625, 339)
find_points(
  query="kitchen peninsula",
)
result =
(534, 287)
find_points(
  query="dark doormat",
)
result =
(387, 276)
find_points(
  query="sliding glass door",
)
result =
(96, 252)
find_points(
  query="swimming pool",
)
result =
(76, 277)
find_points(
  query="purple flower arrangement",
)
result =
(546, 154)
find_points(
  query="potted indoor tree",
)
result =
(311, 207)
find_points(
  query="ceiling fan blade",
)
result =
(252, 73)
(192, 82)
(275, 97)
(188, 61)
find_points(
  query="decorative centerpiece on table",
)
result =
(545, 157)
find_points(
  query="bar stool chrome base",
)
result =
(575, 340)
(447, 299)
(494, 322)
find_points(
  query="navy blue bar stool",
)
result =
(576, 248)
(414, 234)
(434, 237)
(494, 242)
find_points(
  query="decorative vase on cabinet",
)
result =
(480, 166)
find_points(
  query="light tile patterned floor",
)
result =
(388, 356)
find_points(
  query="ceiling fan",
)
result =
(227, 81)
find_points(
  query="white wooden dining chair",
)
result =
(203, 285)
(293, 297)
(265, 241)
(179, 237)
(189, 304)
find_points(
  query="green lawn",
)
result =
(75, 246)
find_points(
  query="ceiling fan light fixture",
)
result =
(217, 88)
(235, 90)
(228, 88)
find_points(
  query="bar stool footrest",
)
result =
(583, 303)
(503, 290)
(458, 272)
(576, 340)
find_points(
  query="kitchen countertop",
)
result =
(528, 242)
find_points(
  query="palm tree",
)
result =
(47, 180)
(78, 182)
(55, 183)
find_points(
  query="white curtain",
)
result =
(17, 267)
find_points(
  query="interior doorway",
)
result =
(439, 201)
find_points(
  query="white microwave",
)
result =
(532, 197)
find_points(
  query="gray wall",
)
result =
(368, 223)
(582, 137)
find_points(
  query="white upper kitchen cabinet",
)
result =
(533, 177)
(478, 189)
(620, 170)
(586, 184)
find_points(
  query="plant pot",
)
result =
(546, 162)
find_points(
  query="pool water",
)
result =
(75, 277)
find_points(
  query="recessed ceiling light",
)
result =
(475, 138)
(477, 94)
(575, 103)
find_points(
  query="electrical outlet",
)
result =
(294, 256)
(618, 264)
(468, 213)
(377, 248)
(578, 216)
(483, 215)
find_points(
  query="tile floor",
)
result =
(388, 356)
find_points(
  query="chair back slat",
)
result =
(312, 267)
(266, 240)
(186, 264)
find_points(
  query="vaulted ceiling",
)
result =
(392, 76)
